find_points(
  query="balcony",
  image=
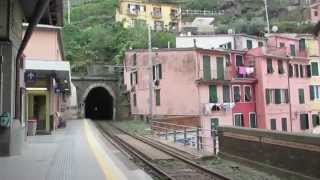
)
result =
(215, 108)
(156, 14)
(245, 74)
(131, 12)
(224, 78)
(284, 52)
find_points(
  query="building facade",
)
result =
(215, 86)
(47, 77)
(159, 16)
(224, 41)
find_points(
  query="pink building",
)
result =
(282, 90)
(217, 86)
(315, 12)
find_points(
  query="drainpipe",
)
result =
(289, 96)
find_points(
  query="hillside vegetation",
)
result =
(94, 36)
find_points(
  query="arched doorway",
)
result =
(99, 104)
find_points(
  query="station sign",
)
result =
(30, 76)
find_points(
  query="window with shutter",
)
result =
(229, 45)
(236, 94)
(315, 120)
(312, 92)
(253, 120)
(269, 66)
(292, 50)
(308, 70)
(280, 67)
(284, 124)
(239, 60)
(304, 121)
(301, 70)
(273, 124)
(290, 70)
(277, 96)
(206, 68)
(249, 44)
(314, 69)
(260, 44)
(296, 69)
(226, 94)
(238, 120)
(157, 92)
(268, 96)
(247, 93)
(160, 71)
(302, 44)
(213, 97)
(301, 96)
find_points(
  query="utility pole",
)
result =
(69, 11)
(150, 74)
(267, 15)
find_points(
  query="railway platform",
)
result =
(77, 152)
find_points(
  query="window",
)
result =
(158, 25)
(280, 67)
(296, 70)
(226, 94)
(292, 50)
(304, 121)
(290, 70)
(134, 78)
(213, 96)
(315, 13)
(301, 96)
(157, 92)
(239, 60)
(284, 124)
(314, 69)
(134, 100)
(314, 92)
(268, 96)
(315, 120)
(157, 72)
(229, 45)
(301, 70)
(302, 44)
(282, 45)
(308, 70)
(269, 66)
(214, 125)
(134, 61)
(236, 94)
(260, 44)
(247, 93)
(273, 124)
(206, 68)
(277, 96)
(249, 44)
(238, 120)
(253, 120)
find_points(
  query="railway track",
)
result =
(179, 167)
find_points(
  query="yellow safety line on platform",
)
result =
(106, 164)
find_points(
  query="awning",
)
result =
(45, 68)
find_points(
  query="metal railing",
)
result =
(198, 138)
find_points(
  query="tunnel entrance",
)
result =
(99, 104)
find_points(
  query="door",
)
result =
(253, 120)
(220, 68)
(39, 111)
(206, 68)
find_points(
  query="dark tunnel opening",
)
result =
(99, 104)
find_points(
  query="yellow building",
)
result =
(159, 16)
(312, 46)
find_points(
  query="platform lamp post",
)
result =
(150, 74)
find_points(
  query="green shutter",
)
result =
(293, 50)
(157, 97)
(226, 94)
(160, 71)
(280, 67)
(236, 94)
(238, 120)
(308, 70)
(220, 68)
(249, 44)
(206, 68)
(304, 121)
(269, 66)
(229, 45)
(267, 96)
(311, 90)
(277, 96)
(314, 69)
(213, 97)
(302, 44)
(301, 96)
(315, 120)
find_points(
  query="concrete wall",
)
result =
(291, 152)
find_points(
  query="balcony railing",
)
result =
(156, 14)
(284, 52)
(132, 12)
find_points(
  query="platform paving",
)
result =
(78, 152)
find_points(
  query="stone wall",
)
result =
(292, 153)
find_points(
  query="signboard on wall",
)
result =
(30, 76)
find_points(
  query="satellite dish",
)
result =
(275, 29)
